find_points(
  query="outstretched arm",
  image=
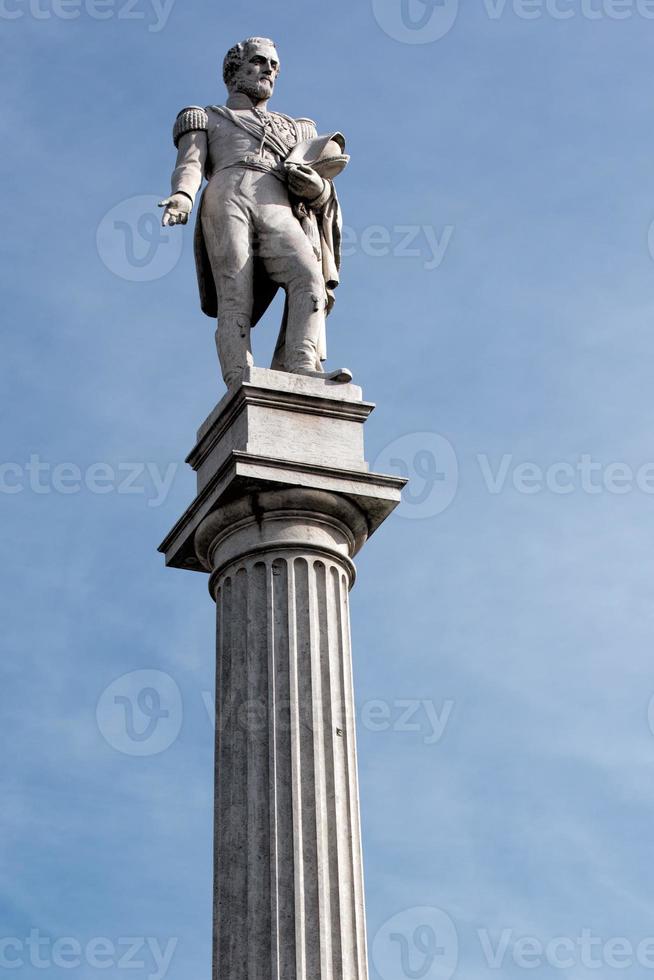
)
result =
(190, 136)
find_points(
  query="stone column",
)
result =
(277, 524)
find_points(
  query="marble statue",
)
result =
(269, 216)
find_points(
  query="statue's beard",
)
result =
(255, 90)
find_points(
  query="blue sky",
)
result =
(517, 138)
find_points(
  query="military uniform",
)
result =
(252, 233)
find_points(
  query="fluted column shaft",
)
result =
(289, 901)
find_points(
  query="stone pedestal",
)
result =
(285, 501)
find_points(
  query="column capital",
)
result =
(293, 519)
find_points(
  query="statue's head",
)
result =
(252, 67)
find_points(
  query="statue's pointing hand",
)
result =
(177, 209)
(304, 182)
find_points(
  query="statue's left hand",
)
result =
(304, 182)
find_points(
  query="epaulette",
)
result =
(307, 129)
(192, 118)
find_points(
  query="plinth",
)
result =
(285, 501)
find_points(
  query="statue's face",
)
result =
(257, 75)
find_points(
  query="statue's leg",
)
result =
(301, 277)
(233, 346)
(290, 261)
(227, 231)
(278, 362)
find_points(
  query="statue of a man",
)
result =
(268, 217)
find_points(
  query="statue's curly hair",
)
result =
(236, 55)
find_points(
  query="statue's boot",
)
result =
(306, 325)
(341, 376)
